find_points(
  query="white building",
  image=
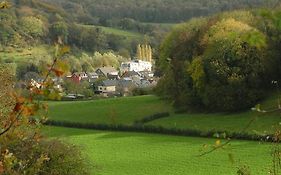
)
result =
(135, 65)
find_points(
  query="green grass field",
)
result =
(124, 153)
(108, 111)
(121, 153)
(37, 53)
(124, 33)
(127, 110)
(261, 123)
(162, 25)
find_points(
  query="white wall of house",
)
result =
(136, 65)
(107, 89)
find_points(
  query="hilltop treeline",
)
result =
(61, 18)
(154, 10)
(226, 62)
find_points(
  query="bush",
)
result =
(142, 91)
(64, 158)
(151, 118)
(162, 130)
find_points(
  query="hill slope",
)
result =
(153, 10)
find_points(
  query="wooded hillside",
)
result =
(154, 10)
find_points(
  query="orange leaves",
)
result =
(1, 167)
(25, 106)
(28, 111)
(19, 102)
(60, 68)
(17, 107)
(58, 73)
(37, 137)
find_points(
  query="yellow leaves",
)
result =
(196, 70)
(235, 31)
(218, 143)
(61, 50)
(258, 107)
(43, 158)
(5, 5)
(8, 160)
(54, 95)
(60, 68)
(64, 50)
(45, 106)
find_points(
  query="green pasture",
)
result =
(41, 52)
(111, 30)
(108, 111)
(122, 153)
(246, 121)
(127, 110)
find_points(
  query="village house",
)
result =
(83, 76)
(74, 77)
(107, 72)
(125, 87)
(130, 74)
(107, 87)
(135, 65)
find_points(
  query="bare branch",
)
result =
(11, 124)
(215, 148)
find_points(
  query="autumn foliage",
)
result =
(24, 150)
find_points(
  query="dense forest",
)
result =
(154, 10)
(226, 62)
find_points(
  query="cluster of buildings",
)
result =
(107, 81)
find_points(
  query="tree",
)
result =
(59, 29)
(144, 52)
(32, 26)
(218, 63)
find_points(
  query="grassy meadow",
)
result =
(127, 110)
(108, 111)
(261, 123)
(122, 153)
(124, 33)
(41, 52)
(126, 153)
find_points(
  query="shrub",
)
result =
(142, 91)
